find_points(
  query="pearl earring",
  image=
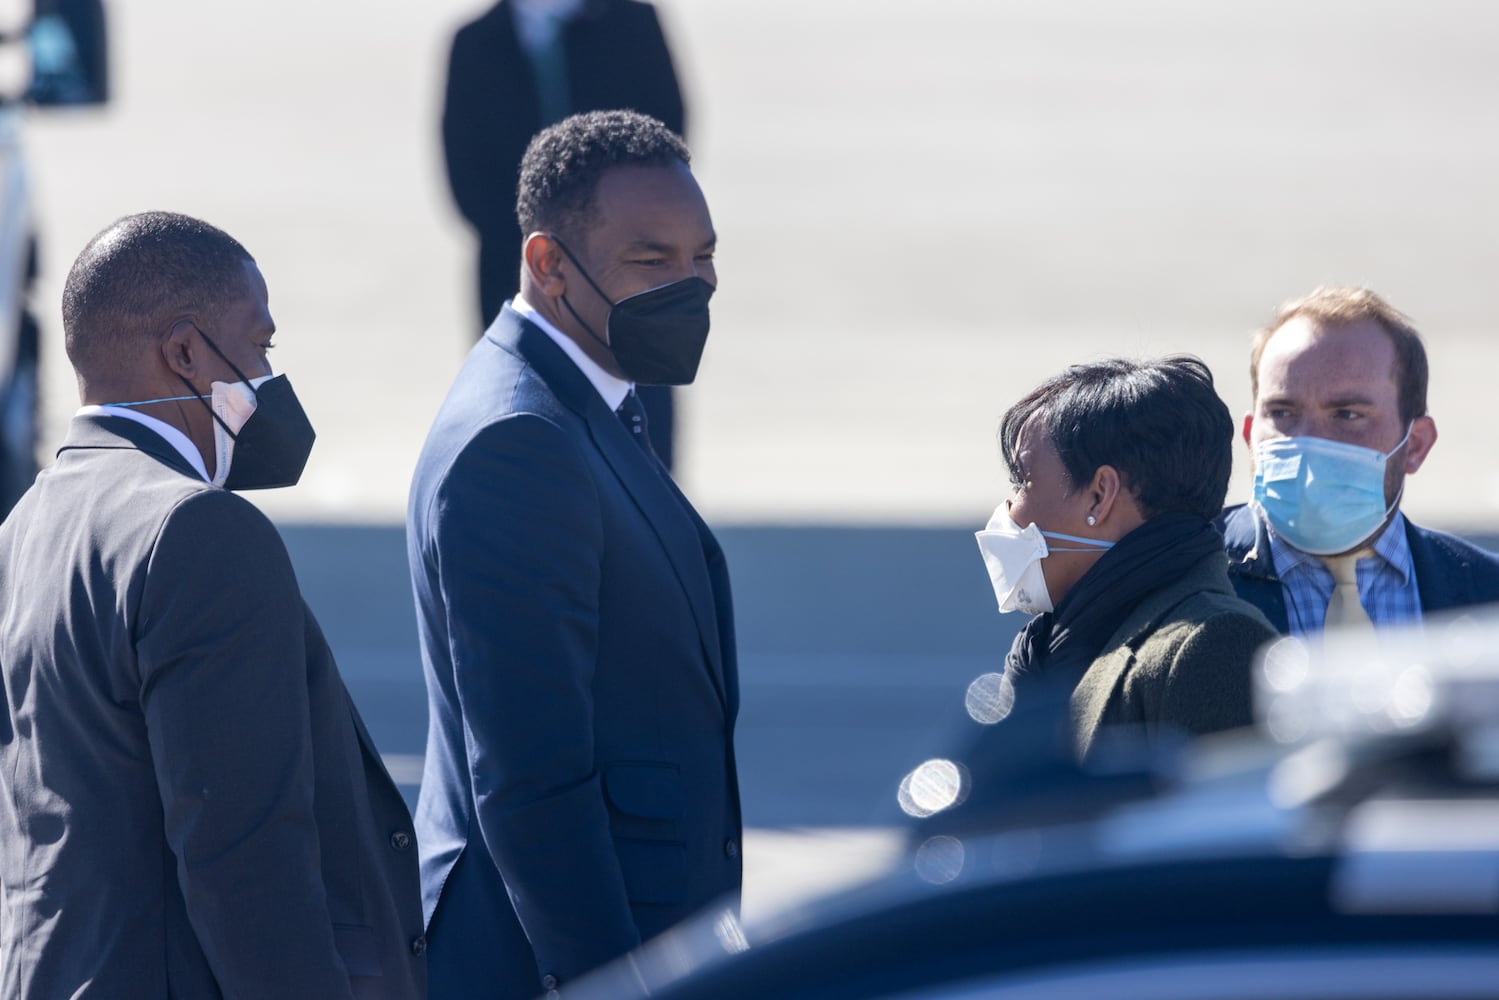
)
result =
(1092, 520)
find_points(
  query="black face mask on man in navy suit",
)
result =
(656, 336)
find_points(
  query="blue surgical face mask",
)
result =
(1323, 497)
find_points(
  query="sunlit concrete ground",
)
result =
(924, 209)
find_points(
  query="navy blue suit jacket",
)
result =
(578, 641)
(1450, 573)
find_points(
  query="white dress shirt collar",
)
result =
(612, 389)
(172, 435)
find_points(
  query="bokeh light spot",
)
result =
(939, 860)
(933, 786)
(990, 698)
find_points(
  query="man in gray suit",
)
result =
(191, 806)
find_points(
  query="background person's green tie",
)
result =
(549, 69)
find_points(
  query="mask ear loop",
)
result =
(1403, 441)
(199, 396)
(1392, 505)
(586, 277)
(223, 357)
(563, 247)
(1090, 544)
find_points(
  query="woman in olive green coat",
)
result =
(1118, 469)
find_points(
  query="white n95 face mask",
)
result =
(1013, 555)
(232, 403)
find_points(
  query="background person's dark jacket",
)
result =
(1450, 573)
(616, 58)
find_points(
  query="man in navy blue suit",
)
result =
(575, 616)
(523, 65)
(1339, 421)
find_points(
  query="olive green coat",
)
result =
(1181, 660)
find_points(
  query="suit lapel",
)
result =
(667, 512)
(1441, 583)
(1251, 567)
(670, 516)
(1090, 699)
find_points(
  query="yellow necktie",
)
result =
(1344, 609)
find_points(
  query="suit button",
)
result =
(731, 848)
(549, 982)
(400, 840)
(419, 945)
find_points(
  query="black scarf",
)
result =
(1063, 643)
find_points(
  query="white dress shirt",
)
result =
(611, 388)
(173, 436)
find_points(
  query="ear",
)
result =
(1104, 492)
(541, 258)
(1248, 427)
(1423, 436)
(180, 348)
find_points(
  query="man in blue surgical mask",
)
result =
(1339, 421)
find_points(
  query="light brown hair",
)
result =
(1328, 307)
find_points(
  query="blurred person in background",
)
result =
(192, 806)
(523, 65)
(64, 45)
(576, 625)
(1118, 469)
(1339, 420)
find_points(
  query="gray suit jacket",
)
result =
(191, 806)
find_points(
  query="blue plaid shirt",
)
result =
(1386, 582)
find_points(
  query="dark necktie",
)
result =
(632, 414)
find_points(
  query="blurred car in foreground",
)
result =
(1350, 852)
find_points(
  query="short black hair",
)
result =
(562, 166)
(1160, 423)
(136, 276)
